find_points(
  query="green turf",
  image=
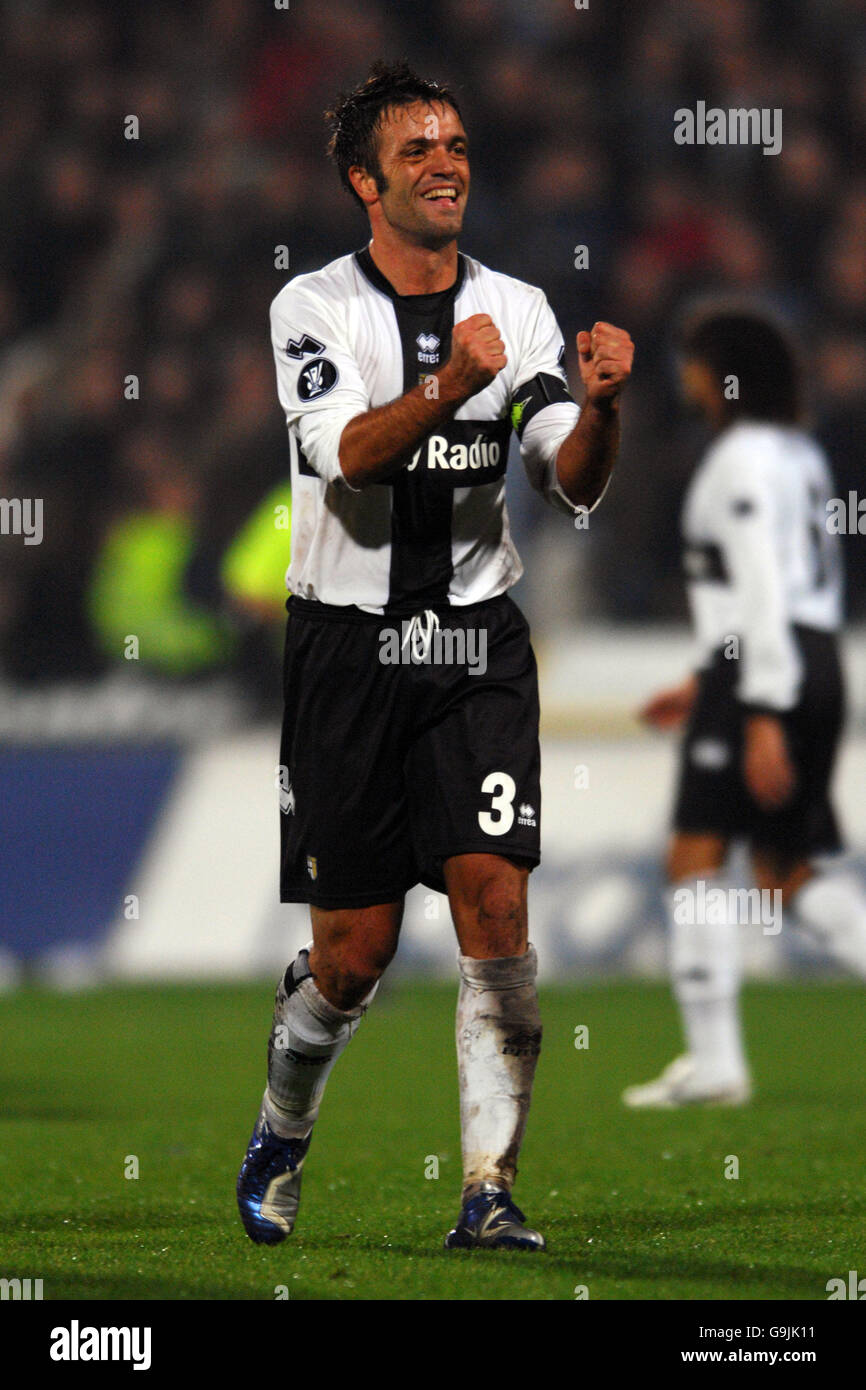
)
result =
(633, 1206)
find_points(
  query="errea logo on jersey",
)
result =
(428, 347)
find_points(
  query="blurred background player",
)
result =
(764, 710)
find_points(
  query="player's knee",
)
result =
(352, 988)
(344, 986)
(777, 870)
(346, 976)
(501, 914)
(500, 900)
(352, 950)
(690, 856)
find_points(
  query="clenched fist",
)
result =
(477, 354)
(606, 356)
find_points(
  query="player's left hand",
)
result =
(605, 354)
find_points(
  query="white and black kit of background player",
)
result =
(761, 568)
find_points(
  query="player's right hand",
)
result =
(670, 708)
(477, 354)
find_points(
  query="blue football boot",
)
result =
(491, 1221)
(269, 1184)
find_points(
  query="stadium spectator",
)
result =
(159, 255)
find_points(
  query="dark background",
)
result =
(155, 257)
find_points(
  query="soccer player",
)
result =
(765, 709)
(402, 370)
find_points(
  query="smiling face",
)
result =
(422, 189)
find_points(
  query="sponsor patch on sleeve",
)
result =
(317, 379)
(304, 345)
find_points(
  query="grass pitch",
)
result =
(634, 1206)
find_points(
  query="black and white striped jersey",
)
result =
(758, 556)
(437, 531)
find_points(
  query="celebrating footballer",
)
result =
(403, 369)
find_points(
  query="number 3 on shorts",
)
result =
(502, 789)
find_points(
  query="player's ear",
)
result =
(363, 183)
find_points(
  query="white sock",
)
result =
(832, 906)
(705, 966)
(498, 1042)
(307, 1036)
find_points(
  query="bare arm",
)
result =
(373, 446)
(586, 457)
(670, 708)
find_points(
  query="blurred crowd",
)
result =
(137, 392)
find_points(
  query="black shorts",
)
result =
(389, 768)
(712, 796)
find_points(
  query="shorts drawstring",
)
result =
(420, 632)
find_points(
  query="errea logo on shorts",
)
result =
(710, 754)
(500, 817)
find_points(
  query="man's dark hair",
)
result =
(741, 341)
(356, 116)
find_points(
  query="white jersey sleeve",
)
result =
(543, 411)
(318, 379)
(749, 525)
